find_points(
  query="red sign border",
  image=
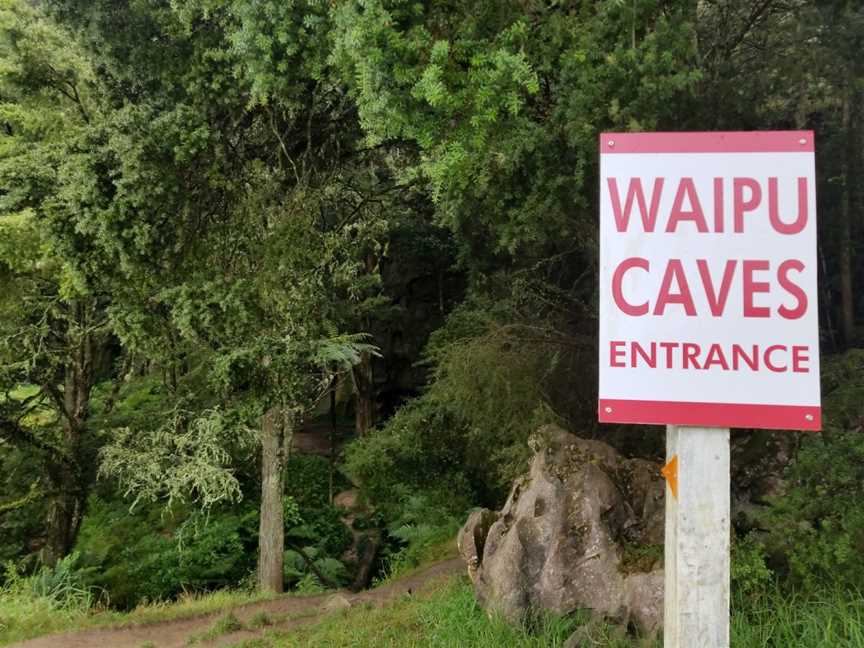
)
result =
(727, 415)
(714, 142)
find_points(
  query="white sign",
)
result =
(708, 302)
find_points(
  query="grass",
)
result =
(222, 626)
(405, 564)
(834, 619)
(24, 616)
(446, 616)
(254, 643)
(260, 620)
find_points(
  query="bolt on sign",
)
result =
(708, 303)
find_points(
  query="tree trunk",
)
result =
(364, 416)
(367, 550)
(69, 473)
(271, 531)
(847, 292)
(332, 450)
(65, 512)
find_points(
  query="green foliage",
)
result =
(291, 512)
(23, 617)
(308, 480)
(317, 537)
(641, 558)
(505, 102)
(442, 615)
(498, 364)
(187, 458)
(445, 613)
(258, 642)
(151, 556)
(309, 570)
(57, 593)
(260, 620)
(60, 585)
(325, 524)
(418, 449)
(22, 507)
(499, 370)
(422, 528)
(822, 619)
(819, 526)
(192, 234)
(49, 322)
(750, 575)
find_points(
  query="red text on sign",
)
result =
(747, 196)
(676, 290)
(777, 358)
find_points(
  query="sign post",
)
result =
(708, 321)
(696, 552)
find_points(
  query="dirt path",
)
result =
(290, 611)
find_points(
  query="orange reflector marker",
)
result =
(670, 474)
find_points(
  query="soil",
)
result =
(290, 611)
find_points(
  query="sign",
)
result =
(708, 303)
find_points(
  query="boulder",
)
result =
(643, 601)
(472, 537)
(559, 542)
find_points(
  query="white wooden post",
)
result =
(696, 559)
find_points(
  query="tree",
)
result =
(505, 100)
(777, 64)
(239, 231)
(53, 333)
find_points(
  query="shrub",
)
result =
(152, 555)
(317, 536)
(307, 579)
(818, 524)
(420, 448)
(750, 575)
(326, 527)
(37, 603)
(260, 620)
(307, 480)
(24, 507)
(61, 586)
(501, 366)
(417, 535)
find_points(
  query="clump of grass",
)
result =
(412, 559)
(188, 605)
(147, 644)
(434, 618)
(258, 642)
(828, 619)
(40, 603)
(224, 625)
(260, 620)
(450, 616)
(23, 615)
